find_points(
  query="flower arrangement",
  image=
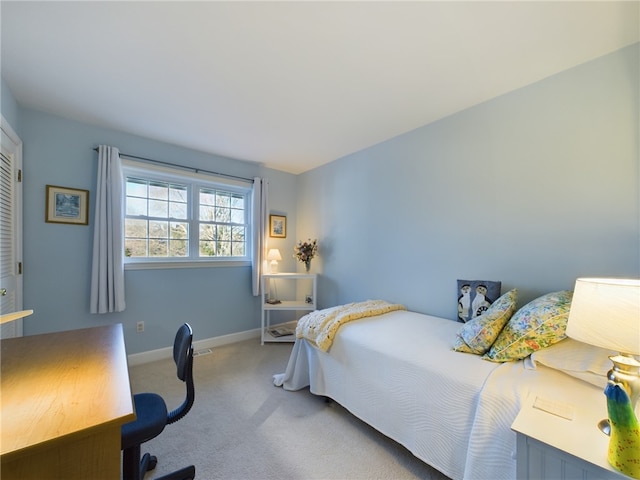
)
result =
(305, 251)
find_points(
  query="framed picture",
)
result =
(67, 205)
(277, 226)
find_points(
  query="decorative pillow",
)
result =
(475, 297)
(540, 323)
(580, 360)
(478, 334)
(460, 346)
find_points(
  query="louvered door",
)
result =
(10, 230)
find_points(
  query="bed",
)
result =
(397, 372)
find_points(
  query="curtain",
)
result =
(107, 273)
(259, 212)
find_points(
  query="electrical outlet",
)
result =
(140, 327)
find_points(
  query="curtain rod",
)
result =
(196, 170)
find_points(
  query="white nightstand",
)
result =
(298, 297)
(552, 447)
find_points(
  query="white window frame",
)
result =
(194, 180)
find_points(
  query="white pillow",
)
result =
(580, 360)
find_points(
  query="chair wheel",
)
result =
(153, 461)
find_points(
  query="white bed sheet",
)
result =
(397, 372)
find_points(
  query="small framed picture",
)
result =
(67, 205)
(277, 226)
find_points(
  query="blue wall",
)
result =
(57, 258)
(534, 188)
(9, 106)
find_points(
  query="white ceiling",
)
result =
(292, 85)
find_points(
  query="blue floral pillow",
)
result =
(477, 335)
(539, 324)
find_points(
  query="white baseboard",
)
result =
(163, 353)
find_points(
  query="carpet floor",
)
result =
(243, 427)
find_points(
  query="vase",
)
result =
(307, 265)
(624, 439)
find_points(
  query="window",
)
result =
(177, 218)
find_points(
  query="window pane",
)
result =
(207, 232)
(158, 248)
(158, 229)
(238, 249)
(178, 210)
(135, 248)
(237, 216)
(238, 244)
(136, 187)
(224, 249)
(179, 248)
(223, 199)
(158, 208)
(178, 193)
(179, 243)
(135, 228)
(238, 234)
(223, 215)
(207, 241)
(178, 206)
(136, 206)
(207, 213)
(224, 232)
(207, 197)
(237, 201)
(180, 230)
(207, 249)
(159, 190)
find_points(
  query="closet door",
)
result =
(10, 229)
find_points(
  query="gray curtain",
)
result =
(259, 212)
(107, 274)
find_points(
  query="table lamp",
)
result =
(605, 312)
(274, 256)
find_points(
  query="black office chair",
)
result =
(152, 416)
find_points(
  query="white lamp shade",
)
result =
(606, 312)
(274, 254)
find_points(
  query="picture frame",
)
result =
(67, 205)
(277, 226)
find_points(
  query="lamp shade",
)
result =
(605, 312)
(274, 254)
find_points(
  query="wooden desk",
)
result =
(65, 396)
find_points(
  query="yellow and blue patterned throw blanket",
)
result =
(319, 327)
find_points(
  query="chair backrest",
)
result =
(183, 356)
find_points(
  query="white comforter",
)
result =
(397, 372)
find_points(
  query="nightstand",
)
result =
(298, 291)
(550, 446)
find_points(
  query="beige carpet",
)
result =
(243, 427)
